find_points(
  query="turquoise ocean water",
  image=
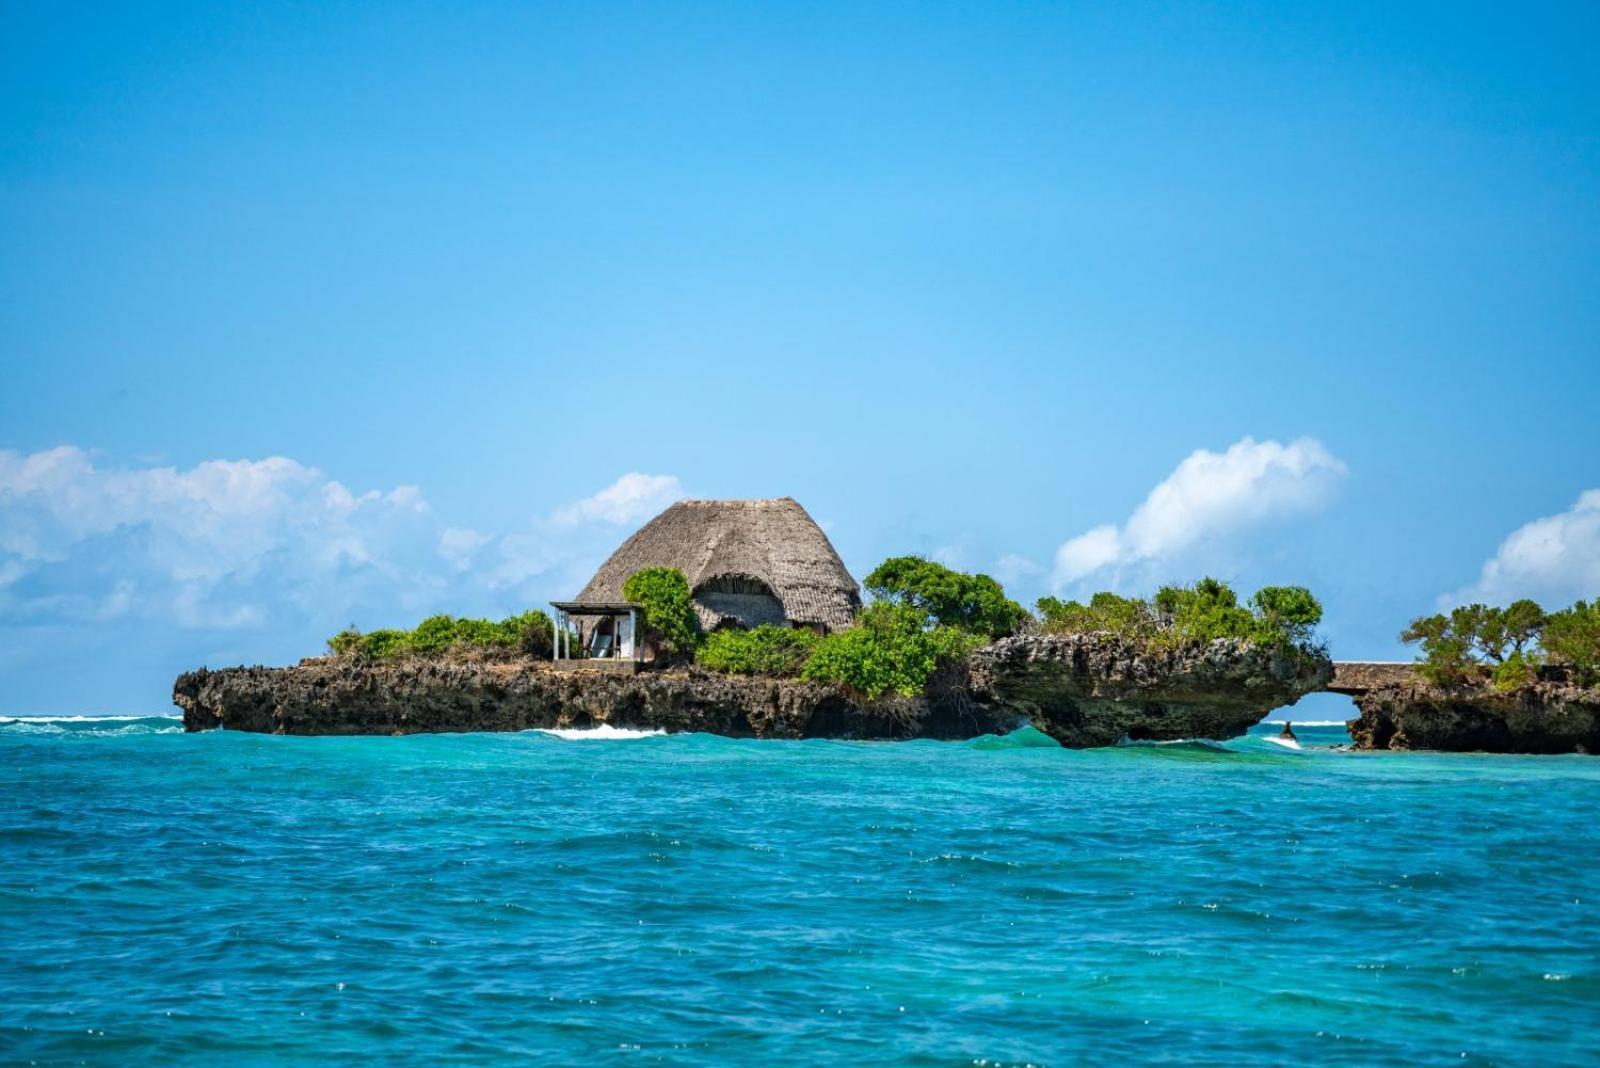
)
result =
(230, 898)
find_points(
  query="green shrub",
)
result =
(1572, 637)
(433, 635)
(892, 650)
(669, 619)
(530, 633)
(1192, 615)
(382, 644)
(780, 652)
(975, 603)
(1105, 611)
(346, 643)
(1514, 672)
(952, 643)
(1204, 612)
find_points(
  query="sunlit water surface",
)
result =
(232, 898)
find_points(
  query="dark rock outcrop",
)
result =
(341, 696)
(1552, 716)
(1095, 689)
(1085, 690)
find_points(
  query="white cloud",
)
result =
(1013, 567)
(1207, 500)
(459, 545)
(197, 548)
(272, 542)
(1554, 560)
(632, 498)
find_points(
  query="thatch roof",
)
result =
(716, 544)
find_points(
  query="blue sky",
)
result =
(316, 314)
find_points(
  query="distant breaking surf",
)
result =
(87, 719)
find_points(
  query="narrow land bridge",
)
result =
(1355, 677)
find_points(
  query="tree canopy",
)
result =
(1203, 612)
(1456, 645)
(1572, 637)
(1507, 644)
(975, 603)
(663, 595)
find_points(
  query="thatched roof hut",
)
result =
(747, 562)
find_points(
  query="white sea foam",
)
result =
(87, 719)
(604, 732)
(1191, 743)
(91, 726)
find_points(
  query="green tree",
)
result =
(1572, 637)
(1290, 613)
(1523, 621)
(669, 619)
(1474, 639)
(975, 603)
(1446, 651)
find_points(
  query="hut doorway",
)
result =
(740, 599)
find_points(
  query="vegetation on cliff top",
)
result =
(528, 634)
(669, 619)
(1507, 645)
(894, 648)
(1280, 616)
(781, 652)
(976, 604)
(924, 615)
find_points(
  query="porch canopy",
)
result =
(607, 630)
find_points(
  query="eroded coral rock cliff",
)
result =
(1089, 690)
(343, 696)
(1552, 716)
(1085, 690)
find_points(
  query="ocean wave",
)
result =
(604, 732)
(87, 719)
(98, 726)
(1175, 743)
(1023, 738)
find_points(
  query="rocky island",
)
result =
(334, 695)
(1513, 679)
(1551, 714)
(738, 618)
(1099, 688)
(1084, 692)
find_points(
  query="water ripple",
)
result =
(684, 900)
